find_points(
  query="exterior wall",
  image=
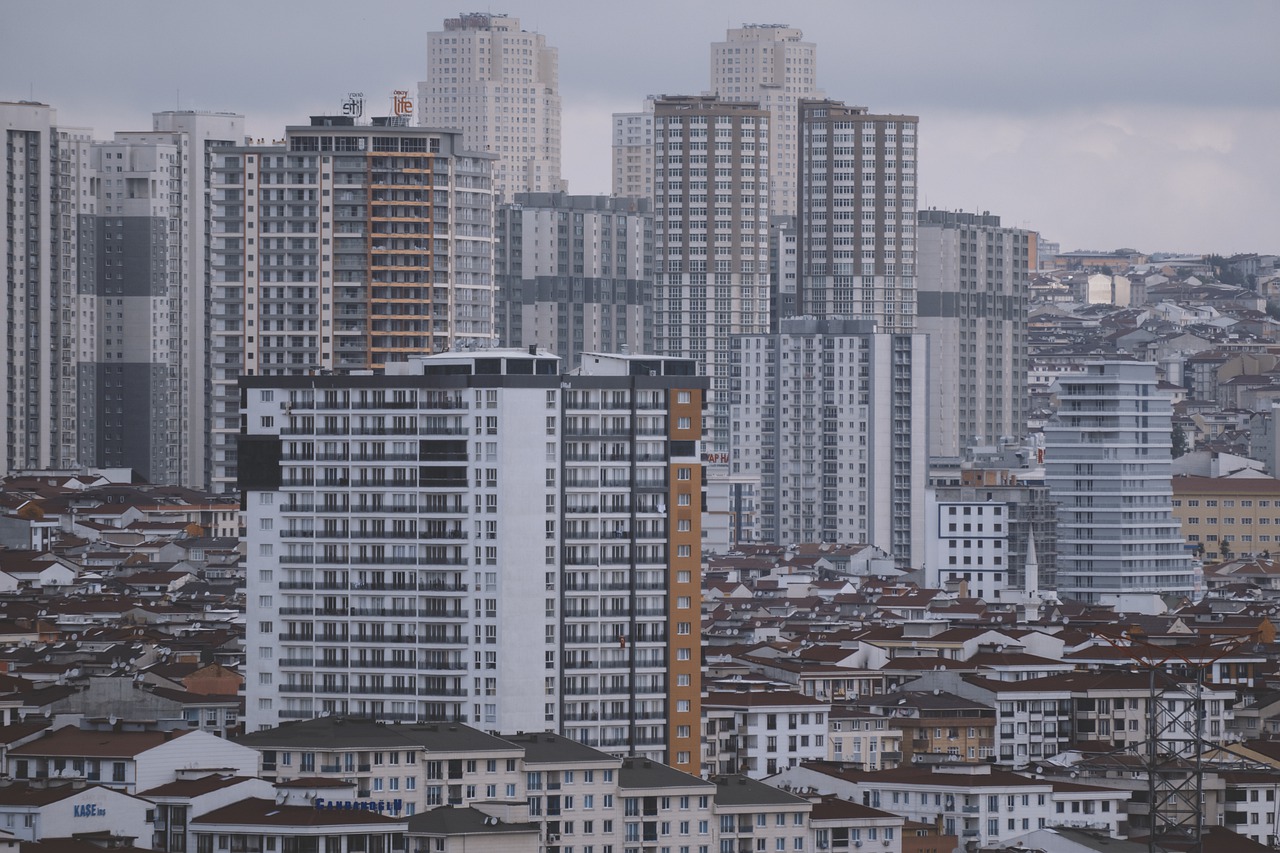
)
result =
(46, 189)
(711, 216)
(756, 740)
(500, 86)
(866, 744)
(1107, 460)
(684, 580)
(972, 302)
(90, 810)
(409, 268)
(193, 750)
(633, 153)
(857, 215)
(1245, 514)
(829, 417)
(498, 450)
(574, 274)
(1019, 524)
(139, 232)
(770, 65)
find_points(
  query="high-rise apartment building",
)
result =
(575, 273)
(773, 66)
(711, 236)
(46, 189)
(130, 387)
(856, 220)
(500, 86)
(144, 376)
(972, 298)
(197, 136)
(127, 347)
(633, 153)
(478, 537)
(823, 415)
(1108, 457)
(346, 247)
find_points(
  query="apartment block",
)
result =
(711, 237)
(393, 576)
(1107, 465)
(1241, 514)
(499, 85)
(575, 274)
(633, 153)
(829, 415)
(773, 66)
(47, 192)
(975, 802)
(856, 215)
(994, 529)
(972, 297)
(754, 732)
(344, 247)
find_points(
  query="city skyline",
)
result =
(1112, 128)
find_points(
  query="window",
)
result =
(683, 473)
(681, 500)
(682, 423)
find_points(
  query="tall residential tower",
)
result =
(773, 66)
(575, 273)
(500, 86)
(46, 188)
(857, 216)
(711, 236)
(1108, 458)
(344, 247)
(477, 537)
(972, 302)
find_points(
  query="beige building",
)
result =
(499, 85)
(1243, 512)
(864, 740)
(633, 153)
(773, 66)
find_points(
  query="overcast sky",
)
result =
(1101, 123)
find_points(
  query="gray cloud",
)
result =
(1101, 123)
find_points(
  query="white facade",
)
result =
(773, 66)
(479, 538)
(711, 237)
(974, 801)
(499, 85)
(33, 814)
(969, 542)
(1107, 464)
(756, 733)
(831, 416)
(47, 193)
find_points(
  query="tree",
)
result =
(1179, 441)
(1225, 550)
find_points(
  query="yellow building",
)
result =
(1243, 512)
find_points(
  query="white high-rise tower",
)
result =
(1108, 458)
(773, 66)
(500, 86)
